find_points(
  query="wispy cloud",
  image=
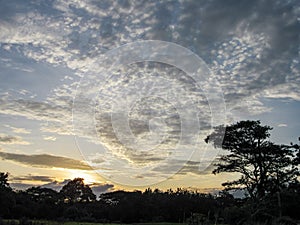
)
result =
(282, 125)
(18, 130)
(49, 138)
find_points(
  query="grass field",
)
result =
(42, 222)
(79, 223)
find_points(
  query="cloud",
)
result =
(18, 183)
(56, 185)
(53, 184)
(99, 188)
(188, 167)
(282, 125)
(12, 140)
(33, 178)
(18, 130)
(251, 47)
(45, 160)
(20, 186)
(49, 138)
(240, 40)
(7, 139)
(56, 115)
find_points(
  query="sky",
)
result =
(122, 93)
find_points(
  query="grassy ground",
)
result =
(39, 222)
(79, 223)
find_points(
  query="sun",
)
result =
(88, 177)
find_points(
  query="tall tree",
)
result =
(76, 191)
(264, 166)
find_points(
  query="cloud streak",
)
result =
(45, 160)
(33, 178)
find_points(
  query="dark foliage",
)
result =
(77, 191)
(119, 206)
(267, 170)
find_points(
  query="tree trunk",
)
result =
(279, 204)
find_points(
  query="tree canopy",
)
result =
(76, 191)
(265, 168)
(4, 185)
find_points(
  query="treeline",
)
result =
(76, 202)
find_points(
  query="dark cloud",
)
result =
(101, 188)
(97, 188)
(45, 160)
(8, 139)
(20, 186)
(56, 185)
(34, 178)
(18, 182)
(213, 191)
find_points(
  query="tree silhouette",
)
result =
(43, 195)
(7, 201)
(4, 185)
(265, 167)
(76, 191)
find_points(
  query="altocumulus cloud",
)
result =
(248, 43)
(252, 46)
